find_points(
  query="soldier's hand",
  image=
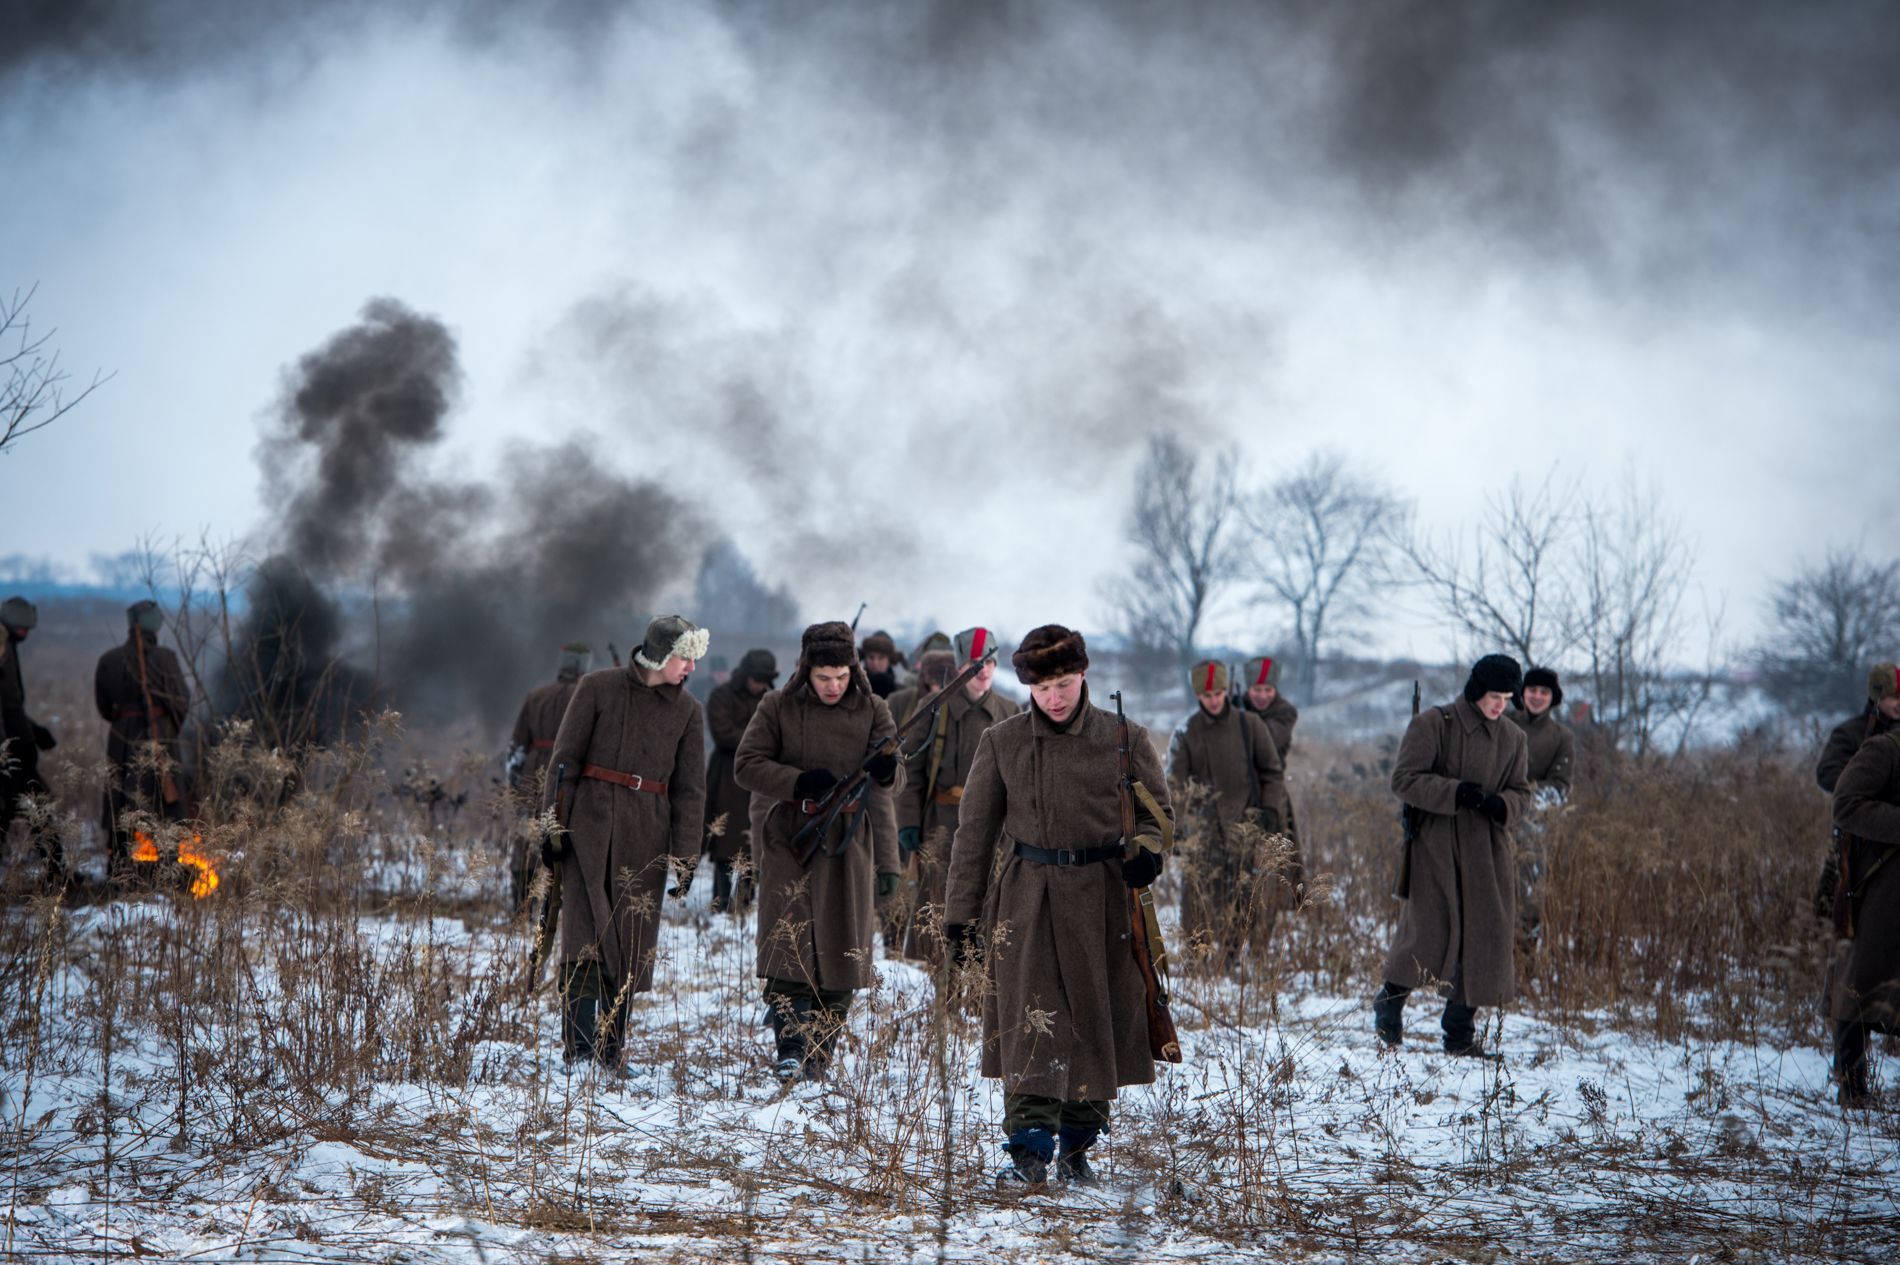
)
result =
(1495, 808)
(886, 885)
(961, 937)
(1470, 795)
(683, 885)
(43, 738)
(813, 783)
(551, 848)
(1142, 868)
(882, 767)
(909, 839)
(1267, 819)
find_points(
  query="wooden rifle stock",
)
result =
(1151, 954)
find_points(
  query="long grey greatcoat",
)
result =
(1459, 923)
(729, 710)
(120, 699)
(615, 877)
(1066, 1016)
(960, 723)
(1843, 741)
(1864, 981)
(816, 925)
(1551, 749)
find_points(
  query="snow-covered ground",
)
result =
(1286, 1134)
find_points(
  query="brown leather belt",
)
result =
(949, 798)
(632, 781)
(542, 744)
(811, 807)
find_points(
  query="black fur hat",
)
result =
(1546, 677)
(1495, 673)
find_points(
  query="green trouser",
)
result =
(1033, 1111)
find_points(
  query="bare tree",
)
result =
(1324, 533)
(34, 394)
(1182, 527)
(1830, 621)
(1501, 583)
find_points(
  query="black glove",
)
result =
(882, 768)
(1470, 795)
(551, 848)
(886, 885)
(961, 937)
(43, 738)
(1495, 808)
(813, 783)
(1141, 869)
(909, 839)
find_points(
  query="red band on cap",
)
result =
(1210, 679)
(1266, 666)
(979, 643)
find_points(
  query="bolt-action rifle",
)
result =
(1151, 954)
(842, 797)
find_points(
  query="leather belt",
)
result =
(1063, 856)
(949, 798)
(812, 807)
(632, 781)
(541, 744)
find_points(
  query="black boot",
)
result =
(579, 1025)
(722, 887)
(612, 1032)
(1072, 1156)
(1030, 1151)
(1388, 1013)
(1850, 1065)
(828, 1025)
(791, 1027)
(1461, 1032)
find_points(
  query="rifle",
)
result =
(1151, 954)
(167, 785)
(811, 836)
(613, 654)
(855, 618)
(1410, 819)
(551, 903)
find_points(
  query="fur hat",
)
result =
(935, 641)
(17, 612)
(937, 667)
(1883, 682)
(974, 643)
(1493, 674)
(757, 665)
(145, 616)
(878, 642)
(1207, 675)
(576, 658)
(671, 637)
(1546, 677)
(829, 645)
(1261, 671)
(1049, 652)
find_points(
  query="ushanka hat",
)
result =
(937, 667)
(145, 616)
(828, 645)
(1883, 682)
(17, 612)
(1546, 677)
(1260, 671)
(671, 637)
(1207, 675)
(879, 642)
(1049, 652)
(757, 665)
(1493, 674)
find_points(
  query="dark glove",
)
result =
(1495, 808)
(813, 783)
(43, 738)
(961, 937)
(552, 846)
(1470, 795)
(909, 839)
(886, 886)
(1268, 819)
(882, 768)
(685, 882)
(1141, 869)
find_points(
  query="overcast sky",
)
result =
(893, 292)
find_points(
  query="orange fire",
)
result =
(189, 853)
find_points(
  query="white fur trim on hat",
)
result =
(689, 645)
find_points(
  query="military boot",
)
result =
(1850, 1066)
(579, 1021)
(1388, 1013)
(1030, 1151)
(828, 1026)
(791, 1027)
(612, 1034)
(1072, 1155)
(1461, 1033)
(722, 887)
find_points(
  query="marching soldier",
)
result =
(816, 923)
(1065, 1021)
(141, 692)
(629, 788)
(1550, 748)
(1863, 989)
(1261, 679)
(936, 667)
(934, 784)
(533, 746)
(879, 656)
(1880, 715)
(22, 739)
(728, 808)
(1461, 771)
(1228, 752)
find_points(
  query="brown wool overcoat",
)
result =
(729, 710)
(1215, 752)
(816, 924)
(121, 702)
(1550, 748)
(1459, 922)
(1864, 982)
(536, 726)
(1280, 716)
(1066, 1014)
(1842, 742)
(903, 702)
(946, 747)
(615, 876)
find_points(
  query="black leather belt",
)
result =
(1062, 856)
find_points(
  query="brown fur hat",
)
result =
(1049, 652)
(878, 642)
(1882, 681)
(828, 645)
(937, 667)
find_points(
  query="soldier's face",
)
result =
(1890, 706)
(1214, 701)
(1537, 699)
(1057, 698)
(1262, 696)
(755, 687)
(1493, 704)
(876, 664)
(979, 685)
(829, 684)
(676, 670)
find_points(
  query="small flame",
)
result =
(190, 852)
(146, 850)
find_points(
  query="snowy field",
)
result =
(1287, 1134)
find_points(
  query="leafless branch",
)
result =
(34, 394)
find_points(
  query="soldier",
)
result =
(1880, 715)
(935, 670)
(141, 692)
(815, 924)
(1261, 677)
(22, 739)
(629, 786)
(728, 808)
(1550, 748)
(904, 700)
(879, 656)
(533, 746)
(1230, 755)
(934, 784)
(1461, 771)
(1065, 1018)
(1863, 988)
